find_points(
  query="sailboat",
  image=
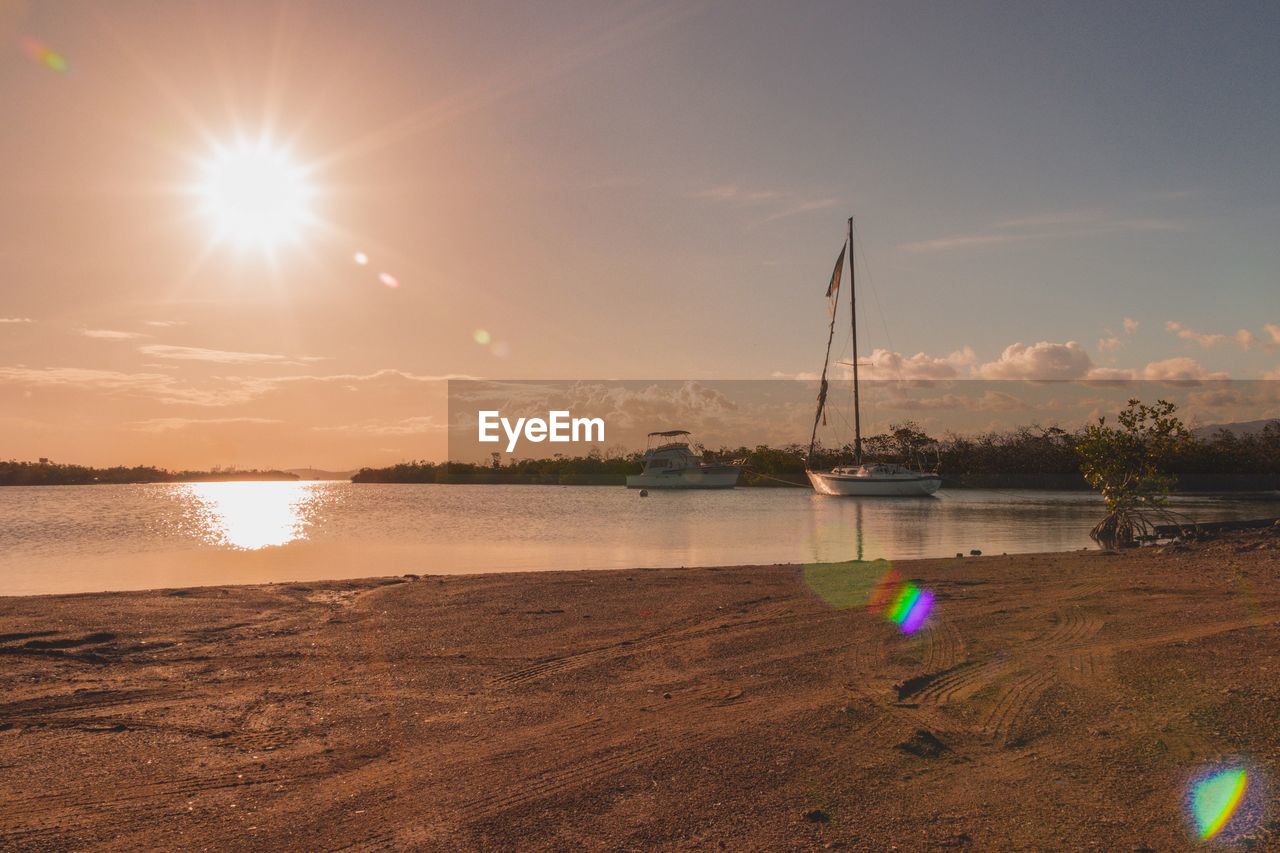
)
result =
(880, 479)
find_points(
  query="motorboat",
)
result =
(670, 463)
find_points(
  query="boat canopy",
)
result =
(670, 433)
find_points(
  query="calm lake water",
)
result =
(91, 538)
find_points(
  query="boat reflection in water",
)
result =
(251, 515)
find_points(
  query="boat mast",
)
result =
(853, 320)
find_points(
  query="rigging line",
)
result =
(875, 293)
(775, 479)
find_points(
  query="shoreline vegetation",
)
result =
(1027, 458)
(46, 473)
(1049, 700)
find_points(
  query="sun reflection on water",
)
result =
(250, 516)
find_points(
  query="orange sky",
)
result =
(578, 190)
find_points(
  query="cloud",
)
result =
(1110, 344)
(799, 207)
(4, 320)
(165, 324)
(885, 364)
(1181, 369)
(403, 426)
(962, 241)
(1111, 374)
(1047, 226)
(735, 194)
(1043, 360)
(111, 334)
(169, 424)
(218, 356)
(784, 203)
(1243, 338)
(1130, 325)
(1274, 331)
(158, 386)
(988, 401)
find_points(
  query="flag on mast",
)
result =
(834, 287)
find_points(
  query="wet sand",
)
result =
(1050, 701)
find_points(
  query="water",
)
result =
(94, 538)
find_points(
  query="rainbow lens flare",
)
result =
(910, 608)
(1215, 799)
(45, 55)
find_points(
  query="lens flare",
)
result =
(361, 258)
(389, 280)
(45, 55)
(481, 337)
(910, 608)
(845, 585)
(1215, 799)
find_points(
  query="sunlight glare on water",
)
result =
(250, 516)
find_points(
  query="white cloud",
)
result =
(165, 324)
(158, 386)
(989, 401)
(111, 334)
(1071, 223)
(169, 424)
(1130, 325)
(784, 204)
(217, 356)
(1111, 374)
(16, 320)
(1243, 338)
(961, 241)
(1181, 369)
(736, 194)
(802, 206)
(403, 426)
(1043, 360)
(885, 364)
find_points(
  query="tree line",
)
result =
(1027, 457)
(14, 473)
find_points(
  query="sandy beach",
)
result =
(1050, 701)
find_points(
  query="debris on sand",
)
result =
(925, 744)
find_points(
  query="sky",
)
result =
(628, 190)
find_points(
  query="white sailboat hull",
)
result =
(709, 477)
(856, 485)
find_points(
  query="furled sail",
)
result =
(833, 291)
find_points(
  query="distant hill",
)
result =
(1240, 428)
(320, 474)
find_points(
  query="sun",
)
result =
(254, 195)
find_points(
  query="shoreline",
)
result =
(1049, 699)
